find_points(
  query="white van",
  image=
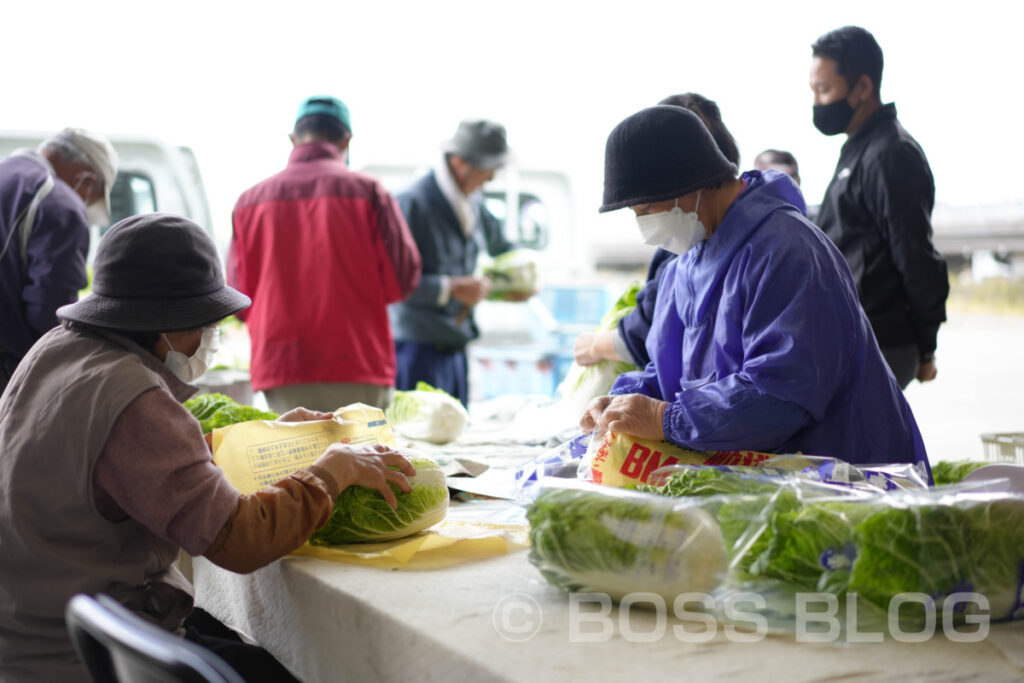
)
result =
(152, 176)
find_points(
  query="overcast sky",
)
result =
(226, 78)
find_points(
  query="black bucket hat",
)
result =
(156, 272)
(660, 153)
(482, 143)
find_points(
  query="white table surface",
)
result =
(329, 621)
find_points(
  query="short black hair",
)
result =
(321, 127)
(855, 52)
(778, 156)
(708, 112)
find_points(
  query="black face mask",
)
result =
(833, 118)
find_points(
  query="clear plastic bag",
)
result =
(561, 461)
(879, 560)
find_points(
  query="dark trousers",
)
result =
(904, 361)
(442, 368)
(7, 366)
(252, 662)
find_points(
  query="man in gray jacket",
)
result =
(448, 220)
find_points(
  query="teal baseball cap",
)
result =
(326, 105)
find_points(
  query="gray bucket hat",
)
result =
(482, 143)
(156, 272)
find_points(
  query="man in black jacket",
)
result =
(877, 208)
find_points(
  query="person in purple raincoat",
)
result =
(758, 340)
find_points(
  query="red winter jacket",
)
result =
(322, 251)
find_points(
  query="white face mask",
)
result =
(189, 369)
(675, 230)
(97, 214)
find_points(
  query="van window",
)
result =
(132, 193)
(532, 230)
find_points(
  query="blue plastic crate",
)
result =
(498, 371)
(576, 305)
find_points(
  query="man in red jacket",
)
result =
(321, 251)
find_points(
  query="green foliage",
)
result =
(993, 295)
(218, 410)
(362, 515)
(946, 472)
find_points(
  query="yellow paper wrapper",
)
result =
(259, 453)
(446, 544)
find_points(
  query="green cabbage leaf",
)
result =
(362, 515)
(877, 545)
(946, 472)
(218, 410)
(588, 540)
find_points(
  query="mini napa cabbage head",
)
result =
(362, 515)
(427, 414)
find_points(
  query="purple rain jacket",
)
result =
(758, 342)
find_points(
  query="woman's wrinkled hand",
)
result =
(370, 466)
(634, 414)
(304, 415)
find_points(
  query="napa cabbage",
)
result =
(218, 410)
(877, 545)
(362, 515)
(584, 383)
(513, 272)
(427, 414)
(589, 540)
(946, 472)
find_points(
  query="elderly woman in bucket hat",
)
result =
(758, 341)
(104, 475)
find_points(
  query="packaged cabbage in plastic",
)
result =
(811, 536)
(427, 414)
(513, 272)
(582, 383)
(594, 539)
(942, 542)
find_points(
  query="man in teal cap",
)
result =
(321, 251)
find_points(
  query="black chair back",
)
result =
(117, 646)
